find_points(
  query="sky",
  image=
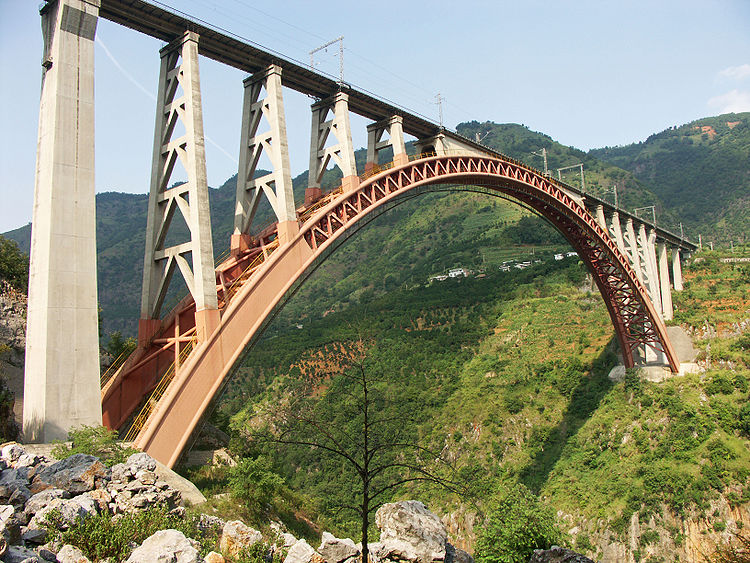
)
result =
(589, 73)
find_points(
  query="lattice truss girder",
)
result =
(277, 185)
(342, 151)
(635, 319)
(179, 71)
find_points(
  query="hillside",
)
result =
(700, 169)
(506, 376)
(422, 237)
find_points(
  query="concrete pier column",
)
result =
(432, 145)
(61, 382)
(616, 230)
(632, 249)
(666, 290)
(341, 152)
(394, 127)
(676, 269)
(648, 253)
(599, 213)
(179, 71)
(275, 186)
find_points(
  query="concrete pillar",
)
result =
(277, 185)
(648, 253)
(616, 231)
(179, 68)
(341, 152)
(394, 126)
(432, 145)
(601, 221)
(676, 269)
(632, 249)
(666, 290)
(61, 383)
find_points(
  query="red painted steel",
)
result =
(633, 315)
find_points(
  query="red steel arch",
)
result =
(199, 379)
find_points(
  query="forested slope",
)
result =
(506, 376)
(700, 169)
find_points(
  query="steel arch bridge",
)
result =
(250, 290)
(161, 391)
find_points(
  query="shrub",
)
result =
(743, 420)
(517, 525)
(94, 440)
(260, 553)
(102, 536)
(253, 483)
(649, 537)
(720, 383)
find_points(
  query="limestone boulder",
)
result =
(20, 497)
(236, 536)
(287, 539)
(10, 527)
(456, 555)
(410, 532)
(166, 546)
(335, 550)
(213, 557)
(300, 552)
(76, 474)
(70, 554)
(207, 522)
(42, 499)
(12, 479)
(558, 555)
(11, 452)
(70, 510)
(141, 462)
(19, 554)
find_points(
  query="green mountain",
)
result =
(701, 170)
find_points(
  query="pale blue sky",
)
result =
(588, 73)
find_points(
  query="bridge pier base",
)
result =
(239, 243)
(349, 183)
(206, 321)
(147, 328)
(313, 194)
(287, 230)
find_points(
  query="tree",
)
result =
(360, 421)
(14, 265)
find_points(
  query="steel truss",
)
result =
(634, 316)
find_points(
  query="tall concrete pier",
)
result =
(61, 388)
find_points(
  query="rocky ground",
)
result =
(39, 495)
